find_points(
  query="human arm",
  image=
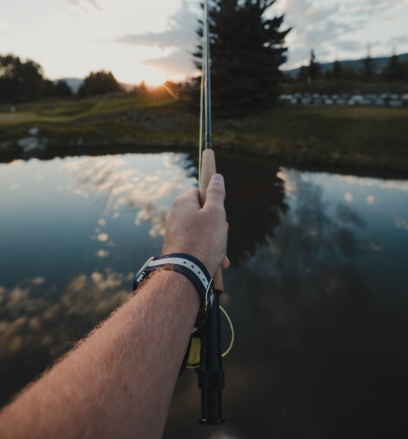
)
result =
(118, 382)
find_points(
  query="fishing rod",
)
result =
(203, 352)
(210, 373)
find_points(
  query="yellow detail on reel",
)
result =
(194, 356)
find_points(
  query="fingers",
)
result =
(225, 263)
(215, 192)
(192, 197)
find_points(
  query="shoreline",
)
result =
(374, 139)
(359, 170)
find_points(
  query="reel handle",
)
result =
(207, 171)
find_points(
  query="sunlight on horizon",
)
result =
(155, 77)
(152, 76)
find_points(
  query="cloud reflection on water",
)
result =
(39, 321)
(124, 188)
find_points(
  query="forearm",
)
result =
(119, 381)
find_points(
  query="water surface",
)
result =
(317, 290)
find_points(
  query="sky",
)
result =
(152, 40)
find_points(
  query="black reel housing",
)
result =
(210, 374)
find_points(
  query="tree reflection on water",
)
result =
(317, 354)
(254, 204)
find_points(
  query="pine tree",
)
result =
(98, 83)
(20, 81)
(336, 71)
(368, 71)
(313, 68)
(246, 53)
(393, 71)
(303, 74)
(63, 89)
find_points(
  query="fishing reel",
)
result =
(205, 357)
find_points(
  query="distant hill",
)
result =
(380, 63)
(74, 83)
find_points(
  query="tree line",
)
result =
(394, 71)
(24, 81)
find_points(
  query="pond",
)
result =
(317, 290)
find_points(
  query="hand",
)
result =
(200, 231)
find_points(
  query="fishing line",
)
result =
(200, 144)
(194, 356)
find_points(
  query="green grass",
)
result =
(375, 137)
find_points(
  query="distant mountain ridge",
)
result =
(74, 83)
(379, 63)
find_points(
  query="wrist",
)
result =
(189, 267)
(174, 287)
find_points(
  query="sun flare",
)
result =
(155, 77)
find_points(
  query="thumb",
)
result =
(215, 191)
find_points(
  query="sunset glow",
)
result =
(155, 77)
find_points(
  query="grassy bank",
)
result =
(376, 137)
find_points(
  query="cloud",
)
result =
(181, 32)
(401, 223)
(31, 321)
(402, 39)
(180, 38)
(339, 29)
(395, 185)
(371, 6)
(149, 195)
(173, 64)
(350, 45)
(82, 2)
(307, 10)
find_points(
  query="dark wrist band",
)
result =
(190, 267)
(184, 264)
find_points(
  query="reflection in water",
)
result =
(130, 188)
(318, 353)
(254, 204)
(36, 327)
(316, 292)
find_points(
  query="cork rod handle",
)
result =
(207, 171)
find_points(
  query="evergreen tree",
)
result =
(336, 71)
(349, 73)
(62, 89)
(394, 70)
(313, 68)
(368, 71)
(20, 81)
(404, 70)
(246, 53)
(48, 89)
(98, 83)
(303, 74)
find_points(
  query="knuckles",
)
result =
(177, 202)
(216, 189)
